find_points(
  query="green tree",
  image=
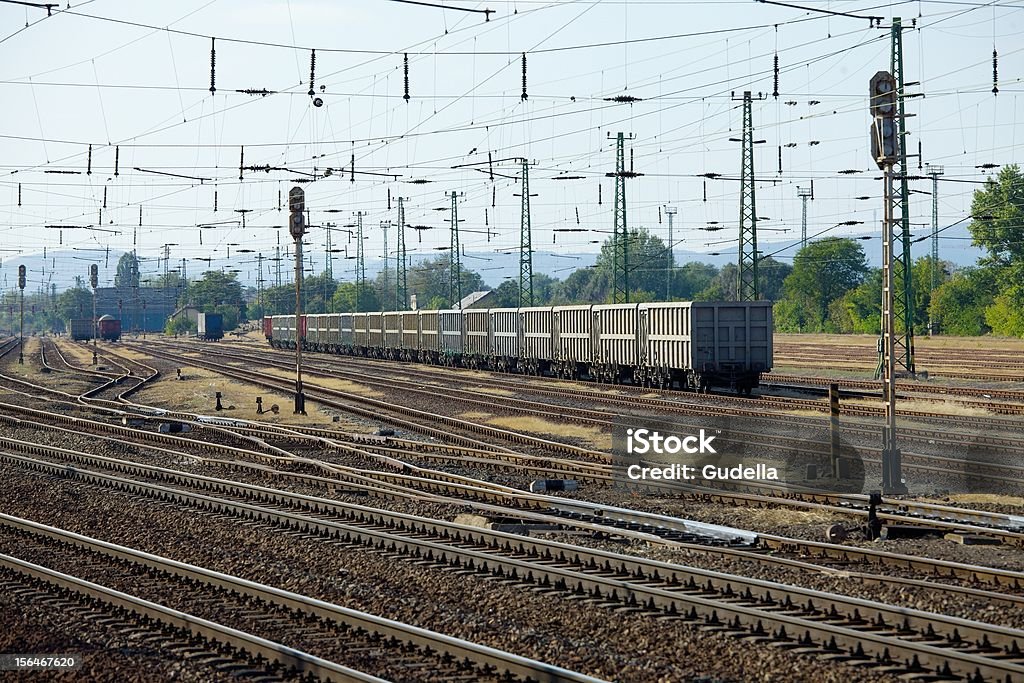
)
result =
(823, 271)
(214, 289)
(998, 227)
(428, 280)
(74, 303)
(723, 286)
(127, 274)
(922, 269)
(1005, 318)
(862, 306)
(575, 288)
(646, 266)
(960, 304)
(691, 278)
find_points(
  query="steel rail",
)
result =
(255, 646)
(424, 639)
(750, 607)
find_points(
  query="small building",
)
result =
(481, 299)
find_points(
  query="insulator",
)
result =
(775, 93)
(578, 214)
(88, 167)
(494, 196)
(659, 215)
(389, 199)
(599, 194)
(780, 159)
(312, 71)
(104, 196)
(812, 190)
(630, 159)
(919, 162)
(140, 219)
(213, 65)
(117, 159)
(279, 199)
(524, 96)
(705, 190)
(406, 59)
(995, 72)
(241, 161)
(490, 165)
(352, 172)
(19, 194)
(215, 201)
(487, 223)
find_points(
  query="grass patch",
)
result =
(474, 415)
(789, 517)
(594, 437)
(328, 382)
(197, 394)
(493, 391)
(981, 498)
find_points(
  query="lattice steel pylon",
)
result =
(455, 260)
(804, 193)
(934, 171)
(748, 288)
(620, 233)
(401, 285)
(525, 244)
(360, 264)
(903, 294)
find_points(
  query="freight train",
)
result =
(685, 345)
(81, 329)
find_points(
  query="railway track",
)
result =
(870, 634)
(400, 651)
(1007, 528)
(774, 379)
(581, 517)
(1003, 474)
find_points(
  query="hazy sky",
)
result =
(136, 76)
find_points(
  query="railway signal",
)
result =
(21, 335)
(297, 228)
(885, 150)
(94, 278)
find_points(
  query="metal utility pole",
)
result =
(21, 335)
(934, 171)
(620, 232)
(360, 263)
(259, 282)
(804, 193)
(885, 143)
(748, 288)
(401, 285)
(384, 225)
(525, 243)
(277, 261)
(670, 211)
(328, 258)
(903, 303)
(94, 272)
(455, 258)
(297, 228)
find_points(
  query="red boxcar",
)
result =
(109, 328)
(268, 327)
